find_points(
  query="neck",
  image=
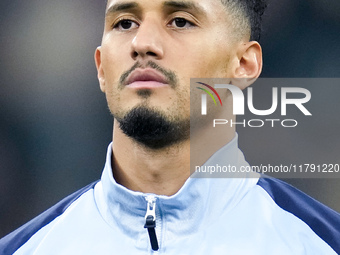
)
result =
(163, 171)
(205, 139)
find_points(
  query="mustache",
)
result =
(170, 76)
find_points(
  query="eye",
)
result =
(125, 24)
(181, 23)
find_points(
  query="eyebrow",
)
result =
(121, 7)
(184, 5)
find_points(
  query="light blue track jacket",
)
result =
(211, 216)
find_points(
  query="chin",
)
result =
(153, 128)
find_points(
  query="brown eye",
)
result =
(125, 24)
(181, 23)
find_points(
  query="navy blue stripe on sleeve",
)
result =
(324, 221)
(13, 241)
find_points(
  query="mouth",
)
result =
(147, 78)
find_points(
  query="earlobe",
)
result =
(249, 64)
(100, 72)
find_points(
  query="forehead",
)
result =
(203, 6)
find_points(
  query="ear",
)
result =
(249, 64)
(100, 72)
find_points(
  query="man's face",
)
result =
(151, 48)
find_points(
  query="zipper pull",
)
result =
(150, 221)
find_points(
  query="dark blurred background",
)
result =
(54, 122)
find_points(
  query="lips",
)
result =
(146, 78)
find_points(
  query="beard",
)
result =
(154, 129)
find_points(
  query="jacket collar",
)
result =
(198, 201)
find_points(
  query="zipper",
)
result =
(150, 221)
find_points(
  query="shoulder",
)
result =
(324, 221)
(13, 241)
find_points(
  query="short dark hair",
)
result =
(252, 11)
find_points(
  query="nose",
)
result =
(147, 42)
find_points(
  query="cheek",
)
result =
(205, 61)
(115, 60)
(184, 99)
(110, 68)
(112, 99)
